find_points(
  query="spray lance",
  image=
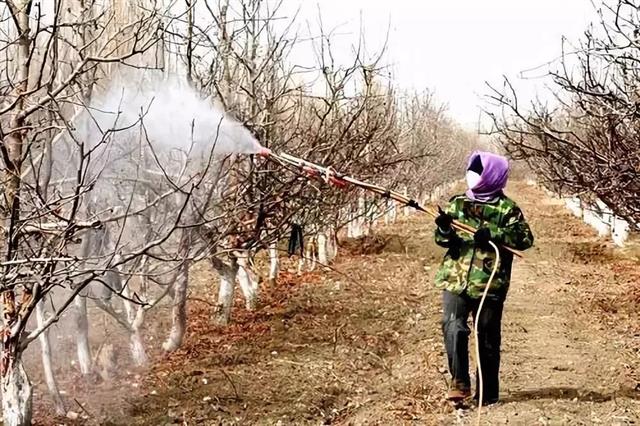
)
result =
(335, 178)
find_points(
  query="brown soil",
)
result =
(373, 244)
(361, 344)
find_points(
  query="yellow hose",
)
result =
(475, 331)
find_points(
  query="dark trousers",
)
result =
(456, 338)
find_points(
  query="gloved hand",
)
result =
(482, 237)
(444, 221)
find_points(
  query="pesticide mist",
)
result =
(171, 116)
(148, 159)
(150, 124)
(147, 147)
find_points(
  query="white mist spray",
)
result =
(174, 116)
(143, 143)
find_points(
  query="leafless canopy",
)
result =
(589, 144)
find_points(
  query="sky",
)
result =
(454, 46)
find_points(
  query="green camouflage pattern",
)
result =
(467, 268)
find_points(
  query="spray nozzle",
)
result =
(264, 152)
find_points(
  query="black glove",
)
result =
(444, 220)
(482, 237)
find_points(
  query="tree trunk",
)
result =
(136, 342)
(368, 215)
(358, 218)
(135, 318)
(356, 228)
(310, 253)
(225, 294)
(391, 213)
(16, 389)
(16, 392)
(406, 209)
(179, 313)
(350, 223)
(47, 364)
(138, 352)
(247, 283)
(332, 245)
(82, 338)
(620, 231)
(274, 262)
(323, 257)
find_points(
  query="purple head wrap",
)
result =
(493, 179)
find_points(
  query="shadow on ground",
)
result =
(568, 393)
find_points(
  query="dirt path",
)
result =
(363, 345)
(560, 366)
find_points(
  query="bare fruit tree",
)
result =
(587, 145)
(54, 189)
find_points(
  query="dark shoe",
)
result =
(457, 395)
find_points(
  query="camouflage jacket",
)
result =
(467, 268)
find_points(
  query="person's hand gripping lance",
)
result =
(482, 237)
(444, 221)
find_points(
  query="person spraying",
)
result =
(467, 267)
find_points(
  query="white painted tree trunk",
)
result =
(368, 222)
(606, 215)
(16, 393)
(248, 284)
(135, 318)
(357, 229)
(179, 311)
(390, 212)
(332, 245)
(136, 341)
(619, 231)
(575, 205)
(226, 292)
(388, 206)
(595, 220)
(47, 364)
(406, 209)
(274, 262)
(82, 336)
(129, 307)
(138, 351)
(363, 217)
(355, 225)
(351, 225)
(310, 253)
(424, 200)
(323, 257)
